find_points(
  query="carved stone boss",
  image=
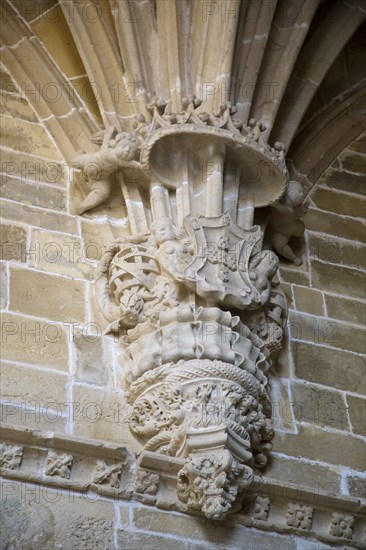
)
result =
(192, 293)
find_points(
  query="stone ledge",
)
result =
(87, 466)
(66, 461)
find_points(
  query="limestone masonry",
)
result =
(183, 274)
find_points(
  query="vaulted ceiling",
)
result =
(299, 67)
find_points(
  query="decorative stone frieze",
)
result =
(146, 482)
(10, 457)
(74, 464)
(341, 526)
(193, 293)
(299, 516)
(261, 508)
(97, 468)
(107, 473)
(58, 464)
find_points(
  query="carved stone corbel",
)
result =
(193, 295)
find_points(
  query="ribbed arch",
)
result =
(255, 54)
(324, 44)
(56, 103)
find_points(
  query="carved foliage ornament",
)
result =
(341, 526)
(299, 516)
(10, 456)
(261, 508)
(193, 294)
(108, 474)
(58, 464)
(146, 482)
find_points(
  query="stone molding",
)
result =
(68, 462)
(268, 504)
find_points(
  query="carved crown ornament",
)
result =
(193, 293)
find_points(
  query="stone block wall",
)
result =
(323, 376)
(49, 518)
(59, 374)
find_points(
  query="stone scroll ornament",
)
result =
(193, 292)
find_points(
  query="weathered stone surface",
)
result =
(24, 522)
(43, 295)
(337, 251)
(354, 162)
(85, 90)
(35, 9)
(287, 289)
(55, 34)
(13, 242)
(331, 367)
(359, 145)
(200, 528)
(284, 360)
(93, 363)
(294, 276)
(308, 300)
(353, 183)
(101, 324)
(38, 217)
(33, 194)
(319, 406)
(301, 474)
(86, 524)
(332, 224)
(357, 414)
(34, 341)
(3, 286)
(34, 416)
(31, 168)
(104, 415)
(60, 254)
(6, 82)
(48, 519)
(357, 486)
(42, 390)
(311, 544)
(98, 237)
(282, 406)
(338, 280)
(124, 516)
(15, 106)
(317, 444)
(27, 137)
(329, 332)
(346, 309)
(339, 203)
(133, 540)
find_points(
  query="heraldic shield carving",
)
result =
(220, 269)
(193, 295)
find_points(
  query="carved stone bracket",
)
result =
(193, 292)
